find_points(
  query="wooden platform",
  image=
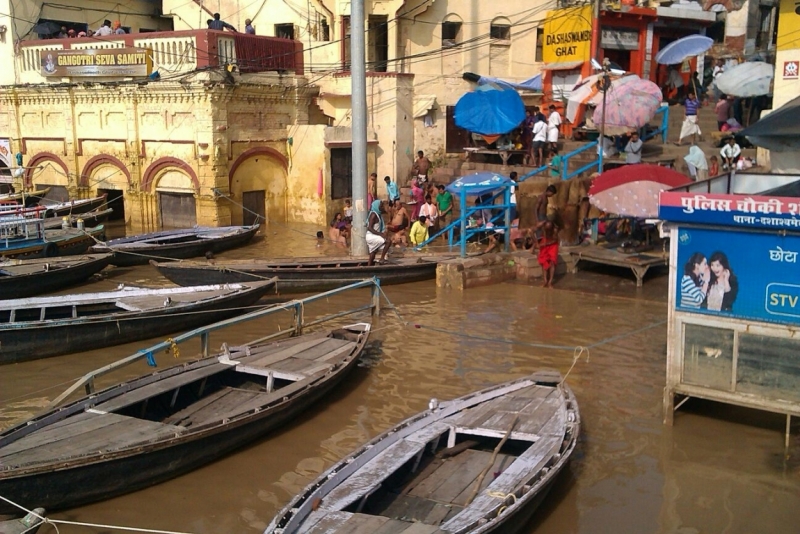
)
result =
(639, 264)
(505, 155)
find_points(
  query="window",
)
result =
(346, 43)
(500, 31)
(284, 31)
(377, 43)
(325, 30)
(451, 33)
(539, 44)
(341, 173)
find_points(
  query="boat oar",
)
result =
(496, 451)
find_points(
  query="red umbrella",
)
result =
(632, 190)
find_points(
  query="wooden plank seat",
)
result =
(222, 404)
(87, 433)
(297, 361)
(150, 302)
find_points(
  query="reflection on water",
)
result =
(719, 469)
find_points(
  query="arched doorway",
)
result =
(46, 170)
(176, 202)
(107, 175)
(258, 183)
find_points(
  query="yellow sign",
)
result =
(97, 62)
(567, 35)
(789, 25)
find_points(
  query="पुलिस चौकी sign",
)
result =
(109, 62)
(730, 210)
(567, 35)
(750, 275)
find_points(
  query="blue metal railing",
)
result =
(664, 111)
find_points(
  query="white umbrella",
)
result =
(746, 79)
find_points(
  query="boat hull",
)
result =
(297, 280)
(59, 243)
(15, 287)
(141, 255)
(75, 485)
(19, 343)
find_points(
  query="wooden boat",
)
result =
(26, 525)
(24, 236)
(90, 219)
(73, 207)
(29, 198)
(39, 327)
(481, 463)
(297, 275)
(24, 278)
(153, 428)
(176, 244)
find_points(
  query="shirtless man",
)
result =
(399, 224)
(420, 168)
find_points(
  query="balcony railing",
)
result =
(178, 52)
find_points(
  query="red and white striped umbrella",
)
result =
(632, 190)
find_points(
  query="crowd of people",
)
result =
(115, 28)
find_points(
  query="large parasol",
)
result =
(746, 79)
(632, 190)
(479, 183)
(630, 103)
(684, 48)
(490, 111)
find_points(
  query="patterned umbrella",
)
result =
(633, 190)
(746, 79)
(686, 47)
(630, 104)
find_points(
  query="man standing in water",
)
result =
(547, 247)
(376, 232)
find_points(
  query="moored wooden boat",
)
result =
(73, 207)
(26, 198)
(297, 275)
(23, 278)
(176, 244)
(89, 218)
(25, 525)
(480, 463)
(23, 235)
(161, 425)
(39, 327)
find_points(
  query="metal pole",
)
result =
(595, 45)
(507, 219)
(463, 237)
(358, 103)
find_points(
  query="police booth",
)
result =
(734, 301)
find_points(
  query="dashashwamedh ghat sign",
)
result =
(125, 62)
(567, 35)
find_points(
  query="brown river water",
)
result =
(719, 469)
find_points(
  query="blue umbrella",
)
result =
(685, 47)
(490, 111)
(479, 183)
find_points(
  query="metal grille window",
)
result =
(341, 173)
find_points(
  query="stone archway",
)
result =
(45, 169)
(175, 186)
(257, 184)
(107, 175)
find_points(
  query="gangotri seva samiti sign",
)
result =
(122, 62)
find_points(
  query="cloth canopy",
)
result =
(479, 183)
(531, 84)
(489, 110)
(778, 131)
(423, 104)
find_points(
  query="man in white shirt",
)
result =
(430, 212)
(539, 140)
(633, 150)
(730, 153)
(105, 29)
(553, 125)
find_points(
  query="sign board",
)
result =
(108, 62)
(567, 35)
(5, 152)
(791, 70)
(618, 39)
(775, 213)
(744, 275)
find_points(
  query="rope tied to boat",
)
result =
(56, 522)
(504, 497)
(576, 355)
(176, 352)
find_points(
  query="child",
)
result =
(348, 212)
(320, 238)
(548, 251)
(713, 168)
(419, 231)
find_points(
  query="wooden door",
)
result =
(455, 138)
(178, 210)
(254, 207)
